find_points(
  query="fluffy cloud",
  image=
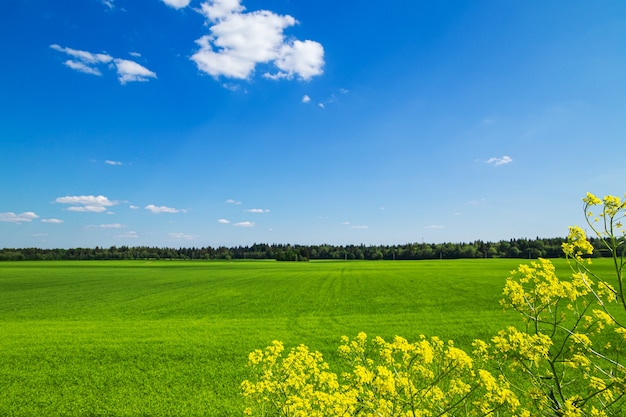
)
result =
(223, 221)
(244, 224)
(239, 41)
(500, 161)
(257, 210)
(304, 59)
(11, 217)
(177, 4)
(53, 221)
(162, 209)
(88, 63)
(306, 98)
(87, 203)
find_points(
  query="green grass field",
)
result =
(138, 338)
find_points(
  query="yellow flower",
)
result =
(592, 200)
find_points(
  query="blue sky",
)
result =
(191, 123)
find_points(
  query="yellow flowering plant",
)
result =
(563, 360)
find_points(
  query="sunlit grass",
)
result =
(172, 338)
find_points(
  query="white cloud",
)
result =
(344, 90)
(87, 203)
(88, 62)
(85, 57)
(302, 59)
(306, 99)
(360, 227)
(255, 210)
(108, 3)
(162, 209)
(239, 41)
(435, 226)
(177, 4)
(130, 71)
(133, 207)
(500, 161)
(109, 162)
(53, 221)
(11, 217)
(87, 209)
(321, 105)
(81, 67)
(182, 236)
(345, 223)
(244, 224)
(112, 226)
(218, 9)
(223, 221)
(128, 235)
(231, 201)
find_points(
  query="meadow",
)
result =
(171, 338)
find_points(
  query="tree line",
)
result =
(514, 248)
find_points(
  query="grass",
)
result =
(137, 338)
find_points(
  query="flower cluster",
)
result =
(570, 345)
(398, 378)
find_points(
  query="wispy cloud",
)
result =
(257, 210)
(435, 226)
(90, 63)
(231, 201)
(476, 202)
(112, 226)
(181, 236)
(53, 221)
(128, 235)
(362, 226)
(87, 203)
(238, 41)
(223, 221)
(10, 217)
(109, 162)
(162, 209)
(500, 161)
(244, 224)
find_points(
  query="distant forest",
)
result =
(514, 248)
